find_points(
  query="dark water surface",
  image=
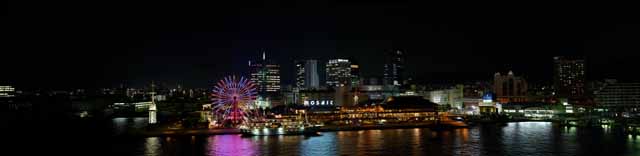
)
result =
(523, 138)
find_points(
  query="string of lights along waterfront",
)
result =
(316, 78)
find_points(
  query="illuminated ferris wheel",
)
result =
(233, 100)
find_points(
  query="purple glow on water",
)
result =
(230, 145)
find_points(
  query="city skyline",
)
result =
(319, 78)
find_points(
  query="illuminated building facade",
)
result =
(452, 97)
(355, 73)
(625, 96)
(300, 74)
(152, 106)
(273, 78)
(509, 88)
(487, 105)
(307, 74)
(266, 75)
(7, 91)
(394, 68)
(415, 109)
(569, 76)
(317, 98)
(338, 72)
(529, 110)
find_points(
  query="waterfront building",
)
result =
(569, 76)
(487, 105)
(509, 88)
(394, 109)
(529, 110)
(450, 97)
(317, 98)
(619, 98)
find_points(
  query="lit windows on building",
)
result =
(307, 74)
(338, 72)
(394, 68)
(569, 76)
(510, 88)
(7, 91)
(300, 74)
(618, 94)
(265, 75)
(355, 74)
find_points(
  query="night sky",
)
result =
(91, 44)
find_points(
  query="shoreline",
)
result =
(330, 128)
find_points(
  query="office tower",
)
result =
(355, 73)
(265, 74)
(307, 74)
(569, 76)
(338, 72)
(394, 68)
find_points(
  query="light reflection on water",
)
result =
(229, 145)
(120, 125)
(524, 138)
(152, 146)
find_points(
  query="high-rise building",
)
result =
(394, 68)
(273, 78)
(355, 73)
(338, 72)
(265, 74)
(509, 88)
(307, 74)
(300, 74)
(569, 76)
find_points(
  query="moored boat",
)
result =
(279, 126)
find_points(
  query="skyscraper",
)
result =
(300, 74)
(338, 72)
(265, 74)
(569, 76)
(307, 74)
(394, 68)
(355, 73)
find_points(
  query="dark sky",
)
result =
(96, 44)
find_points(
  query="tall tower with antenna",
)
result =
(152, 106)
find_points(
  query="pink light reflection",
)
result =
(233, 145)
